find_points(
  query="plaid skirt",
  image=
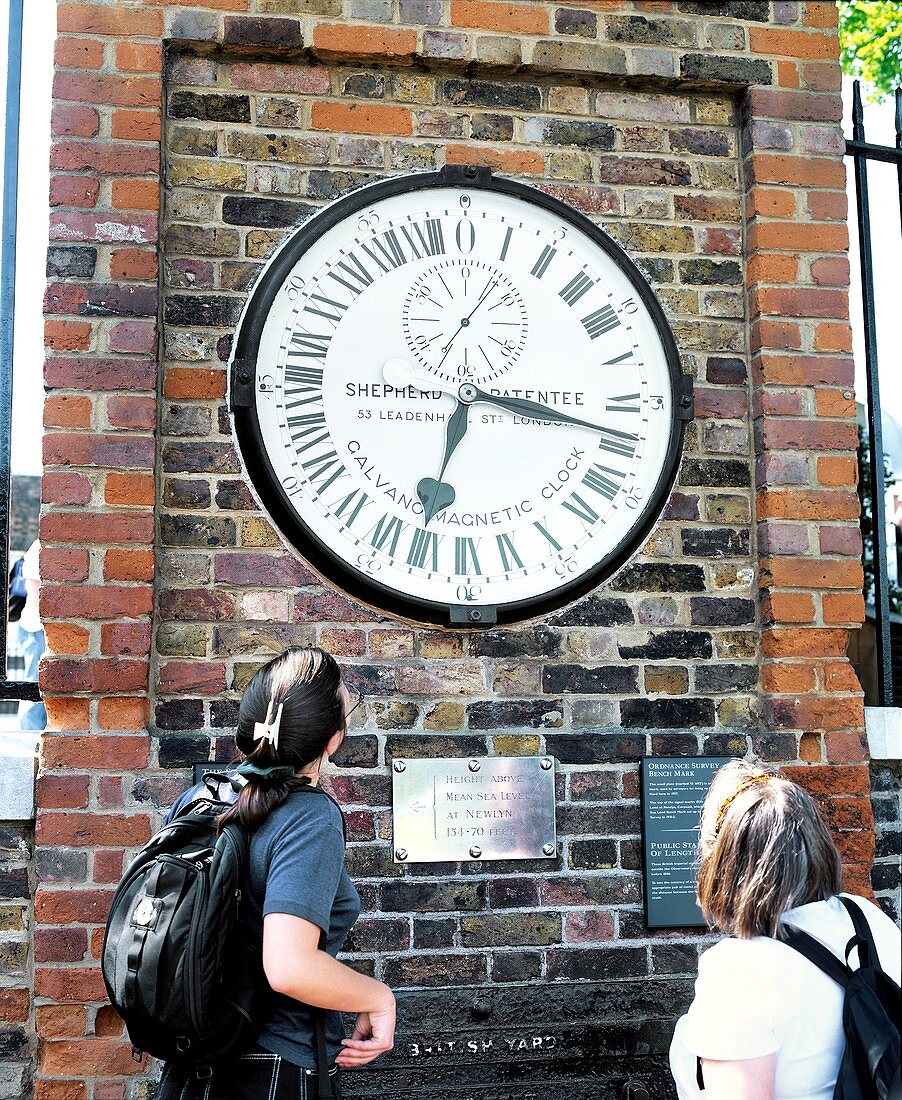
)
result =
(256, 1075)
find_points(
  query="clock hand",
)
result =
(531, 409)
(466, 320)
(435, 494)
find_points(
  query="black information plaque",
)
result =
(673, 791)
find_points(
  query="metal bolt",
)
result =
(548, 849)
(400, 853)
(685, 401)
(243, 375)
(476, 851)
(399, 766)
(473, 765)
(547, 764)
(847, 394)
(475, 615)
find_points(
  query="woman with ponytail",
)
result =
(293, 716)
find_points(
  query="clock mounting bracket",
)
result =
(685, 405)
(472, 616)
(465, 175)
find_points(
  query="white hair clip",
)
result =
(270, 728)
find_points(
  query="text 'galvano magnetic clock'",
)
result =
(458, 398)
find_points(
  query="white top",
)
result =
(757, 996)
(30, 618)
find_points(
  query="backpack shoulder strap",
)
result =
(864, 938)
(815, 952)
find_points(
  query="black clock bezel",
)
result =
(268, 488)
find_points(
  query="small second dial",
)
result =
(464, 319)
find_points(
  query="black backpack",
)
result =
(178, 965)
(872, 1012)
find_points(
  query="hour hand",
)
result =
(436, 495)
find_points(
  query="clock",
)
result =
(457, 398)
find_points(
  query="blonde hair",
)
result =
(763, 849)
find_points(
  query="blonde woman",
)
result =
(765, 1022)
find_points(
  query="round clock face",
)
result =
(457, 398)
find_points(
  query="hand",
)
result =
(490, 285)
(436, 495)
(530, 409)
(374, 1034)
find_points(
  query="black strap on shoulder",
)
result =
(323, 1079)
(822, 957)
(863, 939)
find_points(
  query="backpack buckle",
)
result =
(137, 1055)
(203, 1072)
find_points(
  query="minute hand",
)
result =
(531, 409)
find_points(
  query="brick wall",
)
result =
(706, 140)
(16, 933)
(886, 797)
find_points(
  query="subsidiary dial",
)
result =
(465, 321)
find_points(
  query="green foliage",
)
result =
(870, 38)
(867, 521)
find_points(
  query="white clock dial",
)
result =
(459, 398)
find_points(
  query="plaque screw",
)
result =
(475, 615)
(476, 851)
(546, 764)
(399, 766)
(847, 394)
(400, 853)
(474, 765)
(548, 850)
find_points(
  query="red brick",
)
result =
(589, 926)
(139, 57)
(88, 751)
(136, 195)
(65, 488)
(788, 607)
(830, 271)
(128, 565)
(59, 1021)
(810, 573)
(62, 791)
(818, 14)
(721, 403)
(489, 16)
(770, 202)
(305, 79)
(833, 336)
(804, 641)
(812, 712)
(60, 944)
(14, 1005)
(198, 383)
(131, 489)
(803, 370)
(781, 236)
(74, 191)
(96, 601)
(70, 120)
(806, 171)
(125, 639)
(58, 564)
(788, 43)
(76, 226)
(827, 205)
(807, 435)
(117, 21)
(807, 504)
(133, 263)
(515, 161)
(60, 1090)
(835, 403)
(110, 158)
(827, 781)
(66, 714)
(93, 1057)
(67, 336)
(134, 337)
(90, 449)
(69, 906)
(66, 639)
(721, 242)
(195, 677)
(811, 748)
(131, 412)
(787, 678)
(94, 675)
(361, 118)
(787, 74)
(840, 607)
(107, 527)
(803, 302)
(771, 267)
(336, 41)
(791, 105)
(78, 53)
(136, 125)
(92, 829)
(837, 539)
(106, 90)
(123, 713)
(767, 333)
(107, 866)
(770, 402)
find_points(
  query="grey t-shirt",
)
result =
(296, 866)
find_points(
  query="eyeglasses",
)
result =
(355, 697)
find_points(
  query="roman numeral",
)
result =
(598, 480)
(580, 508)
(624, 403)
(309, 344)
(508, 553)
(431, 242)
(304, 376)
(329, 313)
(423, 546)
(554, 542)
(465, 560)
(389, 255)
(618, 443)
(576, 288)
(388, 530)
(305, 424)
(323, 470)
(355, 511)
(357, 272)
(506, 245)
(541, 264)
(601, 321)
(620, 359)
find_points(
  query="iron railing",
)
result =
(862, 151)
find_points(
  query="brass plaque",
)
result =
(487, 807)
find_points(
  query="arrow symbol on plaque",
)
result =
(418, 807)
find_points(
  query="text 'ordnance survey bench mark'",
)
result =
(673, 791)
(497, 807)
